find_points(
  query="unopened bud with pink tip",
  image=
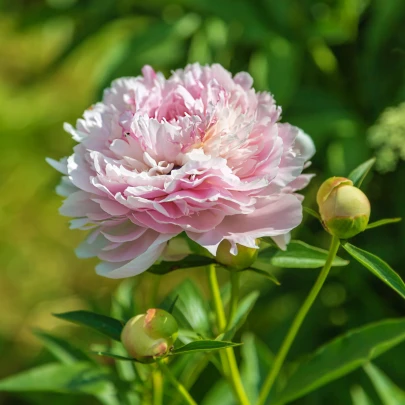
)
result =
(344, 208)
(149, 336)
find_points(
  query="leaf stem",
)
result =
(228, 358)
(295, 326)
(176, 384)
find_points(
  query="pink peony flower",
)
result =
(200, 152)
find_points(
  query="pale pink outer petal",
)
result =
(275, 216)
(136, 266)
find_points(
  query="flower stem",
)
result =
(235, 277)
(157, 387)
(176, 384)
(295, 326)
(228, 359)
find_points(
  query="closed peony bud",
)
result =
(242, 260)
(344, 209)
(150, 335)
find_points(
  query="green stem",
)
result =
(295, 326)
(176, 384)
(157, 387)
(216, 297)
(228, 359)
(235, 277)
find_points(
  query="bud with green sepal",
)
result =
(150, 336)
(344, 209)
(242, 260)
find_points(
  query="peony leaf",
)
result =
(62, 378)
(114, 356)
(383, 222)
(299, 255)
(389, 393)
(191, 310)
(340, 357)
(256, 361)
(359, 397)
(61, 349)
(360, 172)
(264, 273)
(106, 325)
(378, 267)
(123, 304)
(245, 305)
(186, 263)
(203, 346)
(312, 212)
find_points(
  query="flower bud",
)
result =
(242, 260)
(150, 335)
(344, 209)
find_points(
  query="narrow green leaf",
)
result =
(299, 255)
(186, 263)
(340, 357)
(256, 361)
(114, 356)
(264, 273)
(106, 325)
(359, 397)
(389, 393)
(312, 212)
(61, 349)
(360, 172)
(378, 267)
(63, 378)
(383, 222)
(203, 346)
(245, 306)
(191, 310)
(219, 394)
(172, 305)
(123, 303)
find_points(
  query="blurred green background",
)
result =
(336, 67)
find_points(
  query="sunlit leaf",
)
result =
(378, 267)
(106, 325)
(203, 346)
(256, 361)
(381, 222)
(191, 310)
(389, 392)
(359, 173)
(63, 378)
(298, 255)
(123, 303)
(340, 357)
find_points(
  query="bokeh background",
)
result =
(337, 68)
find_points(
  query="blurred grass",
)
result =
(334, 66)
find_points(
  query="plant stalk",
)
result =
(295, 326)
(176, 384)
(157, 387)
(228, 359)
